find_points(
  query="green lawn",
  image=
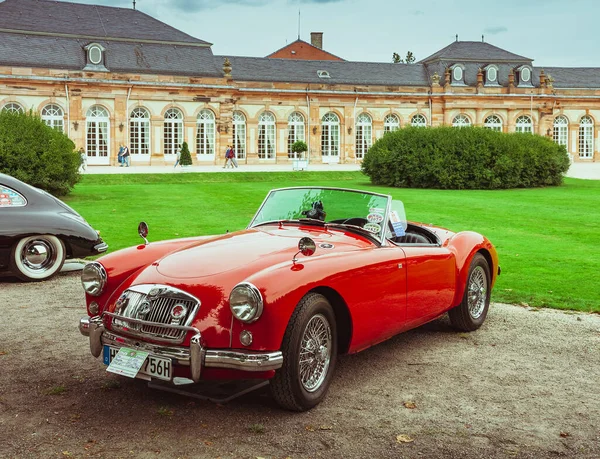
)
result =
(547, 238)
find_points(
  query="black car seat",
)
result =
(412, 238)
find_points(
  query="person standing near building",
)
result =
(232, 156)
(83, 159)
(227, 157)
(120, 155)
(178, 156)
(125, 156)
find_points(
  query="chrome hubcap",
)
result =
(38, 255)
(315, 353)
(477, 295)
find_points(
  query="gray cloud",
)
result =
(495, 30)
(417, 13)
(197, 5)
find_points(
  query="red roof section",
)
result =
(303, 50)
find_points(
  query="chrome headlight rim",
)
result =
(94, 268)
(255, 295)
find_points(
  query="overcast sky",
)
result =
(552, 32)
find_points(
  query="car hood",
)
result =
(250, 250)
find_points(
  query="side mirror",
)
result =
(143, 231)
(307, 247)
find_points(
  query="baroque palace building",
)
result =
(107, 76)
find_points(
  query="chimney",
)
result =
(316, 39)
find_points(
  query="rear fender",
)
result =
(465, 245)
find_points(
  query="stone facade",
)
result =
(337, 110)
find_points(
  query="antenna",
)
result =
(298, 23)
(456, 37)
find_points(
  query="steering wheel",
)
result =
(356, 221)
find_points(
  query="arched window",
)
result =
(139, 132)
(391, 123)
(295, 131)
(172, 131)
(266, 136)
(239, 135)
(586, 137)
(418, 121)
(13, 107)
(491, 75)
(461, 121)
(524, 124)
(97, 135)
(330, 136)
(53, 116)
(364, 134)
(561, 130)
(493, 122)
(457, 74)
(205, 133)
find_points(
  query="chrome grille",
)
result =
(155, 304)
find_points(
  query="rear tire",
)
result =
(37, 258)
(470, 314)
(309, 355)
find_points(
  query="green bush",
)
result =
(465, 158)
(299, 147)
(37, 154)
(186, 157)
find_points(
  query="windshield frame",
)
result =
(379, 238)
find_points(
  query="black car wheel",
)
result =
(36, 258)
(470, 314)
(309, 355)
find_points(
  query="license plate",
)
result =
(154, 366)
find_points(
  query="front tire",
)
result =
(309, 355)
(37, 258)
(470, 314)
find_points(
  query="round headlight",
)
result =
(246, 302)
(93, 278)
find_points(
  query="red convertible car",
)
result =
(318, 272)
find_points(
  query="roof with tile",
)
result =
(53, 17)
(474, 51)
(300, 49)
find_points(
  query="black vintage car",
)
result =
(38, 232)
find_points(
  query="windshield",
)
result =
(331, 206)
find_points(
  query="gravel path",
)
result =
(525, 385)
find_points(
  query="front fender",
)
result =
(465, 245)
(123, 263)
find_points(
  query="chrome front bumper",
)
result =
(196, 356)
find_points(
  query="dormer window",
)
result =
(458, 74)
(323, 74)
(525, 76)
(491, 75)
(95, 57)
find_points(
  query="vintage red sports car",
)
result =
(318, 272)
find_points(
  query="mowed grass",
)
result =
(547, 238)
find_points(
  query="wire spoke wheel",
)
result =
(477, 292)
(315, 353)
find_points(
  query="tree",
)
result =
(409, 59)
(186, 157)
(37, 154)
(299, 147)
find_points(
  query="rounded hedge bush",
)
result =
(464, 158)
(35, 153)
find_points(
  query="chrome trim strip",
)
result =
(102, 247)
(151, 324)
(239, 360)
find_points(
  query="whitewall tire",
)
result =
(36, 258)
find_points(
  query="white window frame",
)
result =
(239, 134)
(391, 123)
(461, 120)
(266, 136)
(139, 132)
(172, 132)
(489, 78)
(13, 107)
(524, 124)
(205, 135)
(586, 137)
(364, 134)
(493, 122)
(295, 132)
(418, 120)
(560, 131)
(97, 135)
(330, 138)
(52, 115)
